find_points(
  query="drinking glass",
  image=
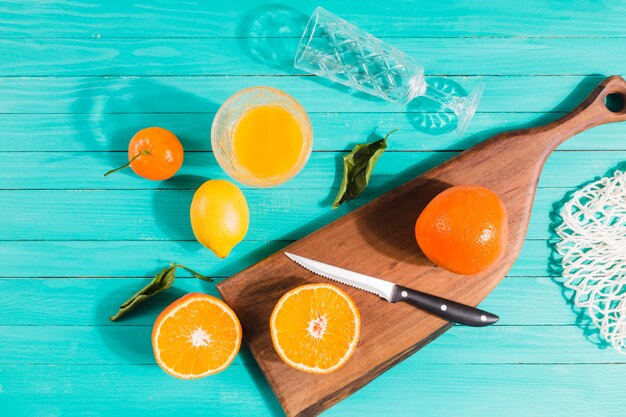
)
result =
(225, 123)
(335, 49)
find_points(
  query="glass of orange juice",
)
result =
(261, 136)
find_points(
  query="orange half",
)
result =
(196, 336)
(315, 328)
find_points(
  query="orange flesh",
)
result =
(267, 141)
(198, 339)
(315, 329)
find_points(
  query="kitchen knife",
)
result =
(446, 309)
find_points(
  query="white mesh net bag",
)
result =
(593, 250)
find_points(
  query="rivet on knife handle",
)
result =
(446, 309)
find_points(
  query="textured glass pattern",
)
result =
(337, 50)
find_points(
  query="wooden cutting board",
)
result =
(378, 239)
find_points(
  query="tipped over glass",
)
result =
(335, 49)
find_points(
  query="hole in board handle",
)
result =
(615, 102)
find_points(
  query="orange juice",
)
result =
(261, 136)
(267, 141)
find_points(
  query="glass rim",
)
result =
(236, 170)
(306, 35)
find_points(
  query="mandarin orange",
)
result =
(154, 153)
(464, 229)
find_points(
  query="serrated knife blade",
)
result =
(376, 286)
(393, 293)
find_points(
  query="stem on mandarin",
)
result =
(194, 273)
(143, 152)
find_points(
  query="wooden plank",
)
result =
(119, 345)
(90, 301)
(210, 19)
(189, 94)
(230, 56)
(145, 258)
(434, 390)
(49, 171)
(485, 390)
(148, 215)
(332, 131)
(278, 214)
(140, 390)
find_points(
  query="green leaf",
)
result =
(357, 169)
(161, 282)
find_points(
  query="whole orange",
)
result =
(464, 229)
(154, 153)
(160, 153)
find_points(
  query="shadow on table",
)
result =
(261, 384)
(171, 209)
(138, 348)
(144, 103)
(270, 35)
(428, 116)
(580, 92)
(374, 135)
(555, 268)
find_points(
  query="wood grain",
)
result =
(381, 233)
(93, 258)
(48, 171)
(197, 18)
(204, 94)
(72, 389)
(149, 215)
(249, 56)
(333, 132)
(59, 345)
(36, 387)
(68, 301)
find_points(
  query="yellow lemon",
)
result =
(219, 216)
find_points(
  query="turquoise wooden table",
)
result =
(78, 79)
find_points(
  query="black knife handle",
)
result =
(446, 309)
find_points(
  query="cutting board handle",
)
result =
(593, 111)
